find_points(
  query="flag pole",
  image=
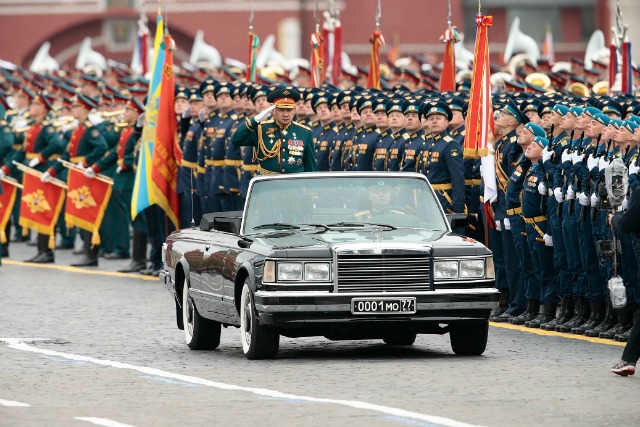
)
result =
(31, 171)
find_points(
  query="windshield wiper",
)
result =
(360, 224)
(277, 225)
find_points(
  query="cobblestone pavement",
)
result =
(115, 357)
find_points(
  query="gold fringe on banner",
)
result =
(52, 242)
(3, 237)
(95, 238)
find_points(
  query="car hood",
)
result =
(313, 244)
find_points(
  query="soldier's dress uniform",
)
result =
(209, 199)
(40, 141)
(7, 142)
(278, 148)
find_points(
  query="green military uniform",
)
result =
(278, 149)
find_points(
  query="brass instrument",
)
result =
(579, 89)
(109, 114)
(539, 79)
(520, 60)
(601, 87)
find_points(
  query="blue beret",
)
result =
(591, 111)
(541, 141)
(602, 118)
(561, 109)
(535, 129)
(634, 118)
(617, 123)
(630, 125)
(575, 110)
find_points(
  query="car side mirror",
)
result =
(458, 220)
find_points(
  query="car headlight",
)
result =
(289, 271)
(317, 271)
(445, 269)
(471, 268)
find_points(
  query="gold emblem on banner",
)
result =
(36, 202)
(82, 198)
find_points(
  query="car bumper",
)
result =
(448, 306)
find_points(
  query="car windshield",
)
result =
(342, 202)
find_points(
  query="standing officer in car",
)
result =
(282, 145)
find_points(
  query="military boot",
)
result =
(547, 314)
(624, 336)
(625, 320)
(90, 257)
(566, 313)
(610, 319)
(533, 309)
(138, 254)
(597, 316)
(580, 315)
(502, 305)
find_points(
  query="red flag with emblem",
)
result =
(40, 204)
(87, 200)
(7, 200)
(166, 151)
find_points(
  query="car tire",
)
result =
(199, 333)
(469, 339)
(258, 341)
(400, 339)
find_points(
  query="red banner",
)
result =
(40, 205)
(374, 63)
(448, 75)
(7, 200)
(317, 59)
(87, 200)
(166, 150)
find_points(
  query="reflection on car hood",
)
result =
(443, 243)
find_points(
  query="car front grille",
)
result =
(383, 272)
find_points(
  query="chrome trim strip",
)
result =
(347, 307)
(324, 294)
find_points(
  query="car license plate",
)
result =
(383, 305)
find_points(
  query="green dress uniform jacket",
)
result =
(42, 141)
(278, 149)
(85, 145)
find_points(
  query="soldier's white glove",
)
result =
(34, 162)
(80, 165)
(583, 199)
(202, 116)
(498, 226)
(566, 156)
(594, 200)
(546, 154)
(264, 114)
(557, 193)
(592, 162)
(141, 120)
(542, 188)
(571, 193)
(507, 224)
(633, 168)
(2, 174)
(625, 203)
(89, 172)
(119, 169)
(602, 163)
(576, 158)
(187, 112)
(46, 177)
(548, 240)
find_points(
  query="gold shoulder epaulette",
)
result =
(234, 116)
(513, 138)
(447, 138)
(406, 135)
(378, 131)
(302, 126)
(267, 121)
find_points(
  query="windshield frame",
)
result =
(341, 175)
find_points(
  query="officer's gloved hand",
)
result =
(119, 169)
(80, 165)
(602, 163)
(571, 193)
(507, 224)
(583, 199)
(633, 168)
(264, 114)
(2, 174)
(46, 177)
(548, 240)
(187, 112)
(141, 120)
(594, 200)
(202, 115)
(498, 226)
(34, 162)
(547, 153)
(89, 172)
(566, 156)
(625, 203)
(592, 162)
(557, 193)
(576, 158)
(542, 188)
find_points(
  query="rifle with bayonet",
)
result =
(563, 176)
(595, 184)
(574, 183)
(544, 204)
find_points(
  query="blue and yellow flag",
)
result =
(142, 194)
